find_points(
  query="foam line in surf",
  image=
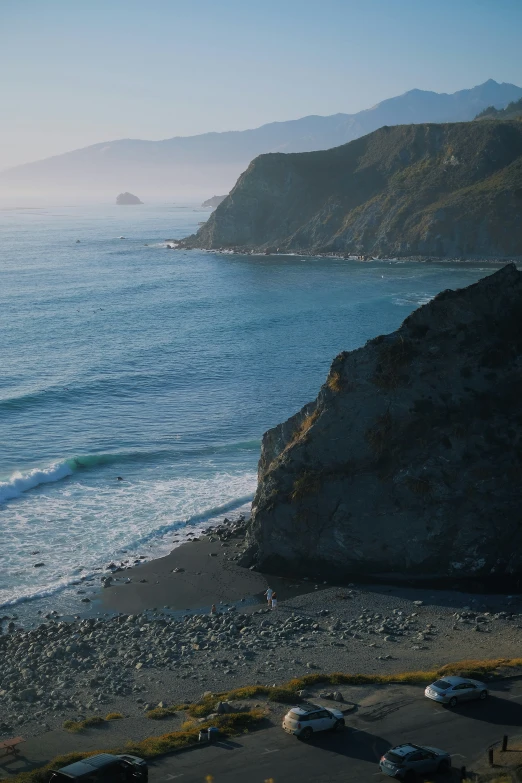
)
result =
(186, 526)
(203, 516)
(20, 482)
(45, 591)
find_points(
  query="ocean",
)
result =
(123, 358)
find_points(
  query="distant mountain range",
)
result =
(431, 190)
(193, 166)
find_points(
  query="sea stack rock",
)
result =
(409, 462)
(127, 198)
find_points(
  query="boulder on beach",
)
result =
(127, 198)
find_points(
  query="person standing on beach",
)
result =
(213, 609)
(274, 601)
(269, 593)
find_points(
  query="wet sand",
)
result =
(206, 577)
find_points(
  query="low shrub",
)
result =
(75, 726)
(114, 716)
(234, 723)
(237, 722)
(159, 713)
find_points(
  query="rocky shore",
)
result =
(131, 662)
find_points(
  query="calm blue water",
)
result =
(123, 358)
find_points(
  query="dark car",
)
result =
(104, 768)
(409, 762)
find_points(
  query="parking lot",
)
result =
(395, 715)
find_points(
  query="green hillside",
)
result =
(451, 190)
(512, 111)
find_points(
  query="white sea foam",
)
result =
(20, 482)
(77, 526)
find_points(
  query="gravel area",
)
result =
(130, 663)
(133, 662)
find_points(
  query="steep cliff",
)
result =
(409, 462)
(451, 190)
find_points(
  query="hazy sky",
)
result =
(76, 72)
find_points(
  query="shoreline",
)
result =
(130, 653)
(173, 244)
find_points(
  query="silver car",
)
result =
(452, 690)
(308, 719)
(411, 762)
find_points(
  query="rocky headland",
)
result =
(213, 202)
(408, 463)
(124, 199)
(424, 191)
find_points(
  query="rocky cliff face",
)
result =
(412, 190)
(409, 462)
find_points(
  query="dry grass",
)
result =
(114, 716)
(334, 381)
(304, 426)
(228, 725)
(162, 712)
(75, 726)
(238, 722)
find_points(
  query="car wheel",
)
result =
(483, 695)
(453, 701)
(306, 733)
(339, 725)
(444, 766)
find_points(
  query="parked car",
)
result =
(452, 690)
(104, 768)
(308, 719)
(408, 762)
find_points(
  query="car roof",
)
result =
(456, 680)
(304, 709)
(404, 750)
(85, 766)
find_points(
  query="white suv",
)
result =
(308, 719)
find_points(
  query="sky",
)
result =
(77, 73)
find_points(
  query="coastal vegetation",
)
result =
(512, 111)
(429, 191)
(238, 722)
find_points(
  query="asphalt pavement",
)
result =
(393, 715)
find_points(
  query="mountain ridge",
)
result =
(213, 161)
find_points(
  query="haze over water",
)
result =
(123, 358)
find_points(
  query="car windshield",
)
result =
(394, 758)
(442, 685)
